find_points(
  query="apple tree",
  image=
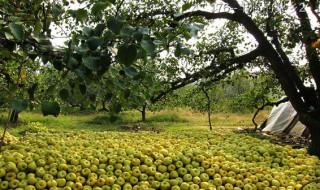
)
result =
(283, 34)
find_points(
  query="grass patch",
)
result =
(172, 120)
(170, 116)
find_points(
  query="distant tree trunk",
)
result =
(14, 117)
(104, 108)
(143, 113)
(208, 106)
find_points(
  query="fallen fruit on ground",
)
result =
(145, 160)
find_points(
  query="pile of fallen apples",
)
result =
(145, 160)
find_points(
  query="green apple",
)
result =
(84, 172)
(182, 171)
(100, 182)
(194, 187)
(11, 167)
(47, 177)
(174, 174)
(217, 182)
(52, 183)
(126, 176)
(143, 177)
(196, 180)
(187, 177)
(133, 180)
(10, 176)
(21, 175)
(22, 166)
(110, 181)
(162, 168)
(195, 172)
(91, 181)
(13, 184)
(4, 185)
(41, 184)
(61, 182)
(53, 171)
(120, 181)
(71, 176)
(72, 169)
(136, 172)
(155, 184)
(164, 185)
(184, 186)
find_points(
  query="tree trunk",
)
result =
(14, 117)
(143, 113)
(104, 108)
(313, 124)
(208, 106)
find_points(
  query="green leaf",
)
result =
(57, 10)
(116, 108)
(185, 51)
(108, 96)
(127, 31)
(115, 24)
(64, 94)
(81, 15)
(38, 27)
(127, 54)
(187, 35)
(92, 63)
(186, 6)
(83, 89)
(120, 84)
(98, 7)
(112, 1)
(88, 32)
(94, 43)
(177, 52)
(9, 36)
(158, 42)
(148, 46)
(19, 105)
(72, 63)
(17, 31)
(98, 30)
(130, 72)
(57, 64)
(50, 108)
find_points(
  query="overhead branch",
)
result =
(276, 63)
(208, 15)
(214, 72)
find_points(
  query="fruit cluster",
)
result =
(8, 139)
(146, 160)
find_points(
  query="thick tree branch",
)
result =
(276, 63)
(212, 71)
(311, 53)
(290, 69)
(313, 6)
(208, 15)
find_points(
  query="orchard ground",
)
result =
(178, 119)
(174, 149)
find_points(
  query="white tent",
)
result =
(284, 119)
